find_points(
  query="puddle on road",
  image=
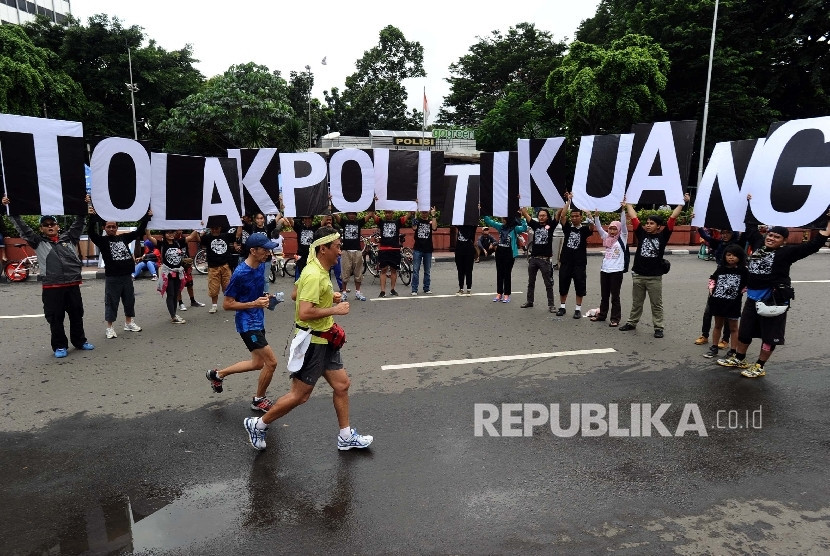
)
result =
(158, 520)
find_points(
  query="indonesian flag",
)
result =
(426, 108)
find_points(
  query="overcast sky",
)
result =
(289, 36)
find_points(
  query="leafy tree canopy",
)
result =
(603, 90)
(246, 107)
(95, 55)
(374, 96)
(517, 62)
(32, 82)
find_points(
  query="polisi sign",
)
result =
(415, 141)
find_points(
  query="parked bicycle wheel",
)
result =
(372, 263)
(15, 271)
(405, 273)
(200, 261)
(289, 267)
(272, 272)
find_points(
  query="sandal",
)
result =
(614, 323)
(595, 318)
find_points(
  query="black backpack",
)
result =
(626, 254)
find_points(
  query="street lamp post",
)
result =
(133, 89)
(308, 69)
(706, 99)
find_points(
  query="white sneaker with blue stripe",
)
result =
(255, 436)
(354, 441)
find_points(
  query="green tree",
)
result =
(602, 90)
(31, 80)
(497, 66)
(750, 57)
(374, 96)
(246, 107)
(513, 117)
(95, 55)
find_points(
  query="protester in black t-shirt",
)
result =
(647, 270)
(351, 261)
(464, 256)
(305, 236)
(389, 249)
(218, 248)
(573, 260)
(423, 225)
(486, 244)
(541, 252)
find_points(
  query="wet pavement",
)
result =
(126, 450)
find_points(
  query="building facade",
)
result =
(24, 11)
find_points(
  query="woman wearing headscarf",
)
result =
(506, 253)
(613, 262)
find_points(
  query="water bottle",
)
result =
(275, 299)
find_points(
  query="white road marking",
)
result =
(811, 281)
(437, 296)
(22, 316)
(497, 359)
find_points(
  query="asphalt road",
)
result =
(126, 449)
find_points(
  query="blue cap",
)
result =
(260, 240)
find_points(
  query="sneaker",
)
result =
(427, 292)
(468, 293)
(505, 299)
(658, 332)
(495, 299)
(255, 436)
(182, 306)
(713, 352)
(626, 327)
(551, 309)
(261, 404)
(111, 333)
(459, 292)
(701, 340)
(354, 441)
(60, 353)
(132, 327)
(731, 353)
(560, 312)
(359, 296)
(155, 276)
(414, 293)
(393, 293)
(177, 320)
(723, 344)
(754, 371)
(526, 305)
(87, 346)
(733, 362)
(212, 309)
(195, 303)
(382, 294)
(577, 314)
(215, 382)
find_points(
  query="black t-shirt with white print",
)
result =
(172, 254)
(218, 248)
(390, 230)
(423, 235)
(575, 244)
(351, 234)
(305, 237)
(542, 238)
(648, 259)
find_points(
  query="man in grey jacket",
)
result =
(60, 273)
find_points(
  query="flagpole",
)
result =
(424, 121)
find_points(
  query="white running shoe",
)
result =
(212, 308)
(178, 320)
(111, 333)
(255, 436)
(359, 296)
(132, 327)
(354, 441)
(182, 307)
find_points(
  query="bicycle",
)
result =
(282, 266)
(371, 263)
(18, 271)
(200, 261)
